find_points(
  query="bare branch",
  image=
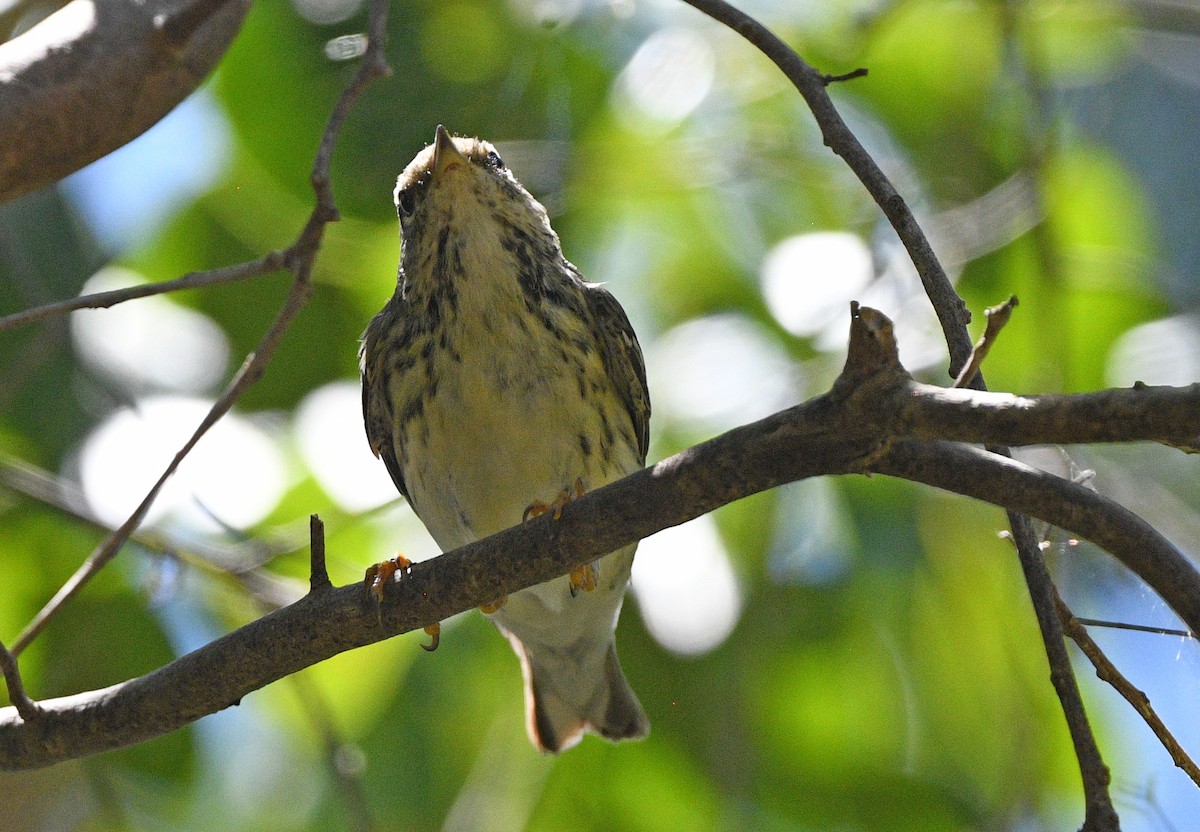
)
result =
(1099, 814)
(997, 316)
(1005, 482)
(299, 258)
(62, 81)
(1107, 671)
(1170, 415)
(840, 432)
(1137, 628)
(861, 72)
(318, 578)
(24, 706)
(951, 311)
(266, 264)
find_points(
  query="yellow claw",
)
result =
(492, 606)
(379, 575)
(538, 508)
(584, 578)
(435, 635)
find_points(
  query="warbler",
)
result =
(498, 383)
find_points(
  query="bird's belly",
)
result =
(495, 438)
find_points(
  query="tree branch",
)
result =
(1006, 482)
(838, 433)
(1107, 671)
(1162, 414)
(22, 704)
(62, 82)
(812, 85)
(299, 258)
(997, 317)
(272, 262)
(953, 316)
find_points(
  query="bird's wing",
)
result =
(623, 359)
(377, 408)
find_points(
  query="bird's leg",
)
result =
(583, 577)
(378, 576)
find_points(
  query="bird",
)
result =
(499, 384)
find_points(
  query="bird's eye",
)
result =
(406, 202)
(494, 161)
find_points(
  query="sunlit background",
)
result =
(849, 654)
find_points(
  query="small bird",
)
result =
(499, 384)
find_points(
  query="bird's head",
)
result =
(461, 183)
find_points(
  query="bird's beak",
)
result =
(445, 154)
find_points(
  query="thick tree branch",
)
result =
(1005, 482)
(838, 433)
(98, 73)
(1160, 414)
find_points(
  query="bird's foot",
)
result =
(379, 575)
(584, 577)
(491, 607)
(537, 508)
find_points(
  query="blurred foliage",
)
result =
(884, 672)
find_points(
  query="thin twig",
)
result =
(26, 707)
(1099, 814)
(1137, 628)
(299, 258)
(997, 316)
(240, 561)
(951, 311)
(1106, 671)
(318, 576)
(861, 72)
(266, 264)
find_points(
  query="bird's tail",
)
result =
(565, 696)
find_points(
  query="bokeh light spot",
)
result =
(686, 589)
(665, 80)
(330, 435)
(233, 477)
(720, 371)
(1165, 351)
(324, 12)
(810, 279)
(151, 343)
